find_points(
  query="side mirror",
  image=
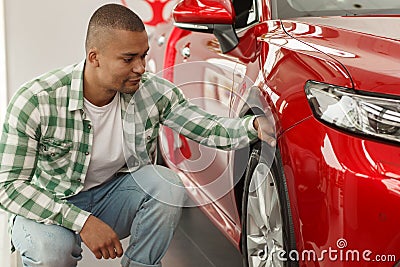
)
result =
(211, 16)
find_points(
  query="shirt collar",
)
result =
(76, 91)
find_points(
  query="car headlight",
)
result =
(376, 116)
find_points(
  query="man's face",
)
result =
(122, 61)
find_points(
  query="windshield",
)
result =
(312, 8)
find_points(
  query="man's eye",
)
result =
(127, 60)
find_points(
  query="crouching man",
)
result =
(76, 146)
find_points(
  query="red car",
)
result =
(328, 74)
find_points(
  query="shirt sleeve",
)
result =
(18, 162)
(210, 130)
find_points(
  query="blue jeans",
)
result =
(145, 204)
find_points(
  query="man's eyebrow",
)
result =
(130, 54)
(134, 54)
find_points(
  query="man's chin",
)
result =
(130, 89)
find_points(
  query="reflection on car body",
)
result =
(327, 72)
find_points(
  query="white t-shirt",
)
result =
(107, 151)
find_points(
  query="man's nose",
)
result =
(139, 66)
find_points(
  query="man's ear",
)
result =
(92, 57)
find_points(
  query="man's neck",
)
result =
(94, 93)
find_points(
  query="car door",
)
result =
(212, 80)
(194, 63)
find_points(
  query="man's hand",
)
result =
(265, 130)
(101, 239)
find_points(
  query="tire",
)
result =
(267, 233)
(159, 160)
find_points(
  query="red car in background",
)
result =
(327, 72)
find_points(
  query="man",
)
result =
(77, 147)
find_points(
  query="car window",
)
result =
(311, 8)
(246, 13)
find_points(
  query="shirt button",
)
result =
(148, 137)
(86, 153)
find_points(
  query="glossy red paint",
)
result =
(341, 185)
(337, 190)
(366, 41)
(204, 12)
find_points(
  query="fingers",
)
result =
(111, 251)
(97, 254)
(269, 139)
(105, 253)
(101, 239)
(266, 130)
(118, 249)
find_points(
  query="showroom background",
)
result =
(41, 35)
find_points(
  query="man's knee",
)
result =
(162, 184)
(45, 245)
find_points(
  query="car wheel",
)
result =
(267, 228)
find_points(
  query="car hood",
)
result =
(368, 47)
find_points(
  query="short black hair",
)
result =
(112, 16)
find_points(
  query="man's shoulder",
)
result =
(50, 81)
(154, 85)
(51, 85)
(155, 81)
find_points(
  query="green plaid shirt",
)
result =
(46, 141)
